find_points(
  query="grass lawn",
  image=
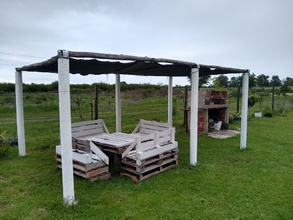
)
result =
(227, 183)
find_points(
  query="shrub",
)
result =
(267, 112)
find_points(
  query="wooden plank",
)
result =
(147, 168)
(83, 158)
(149, 127)
(146, 137)
(110, 141)
(131, 158)
(153, 126)
(123, 136)
(155, 151)
(145, 146)
(83, 167)
(88, 128)
(92, 173)
(84, 133)
(128, 149)
(95, 172)
(142, 176)
(164, 137)
(98, 152)
(84, 148)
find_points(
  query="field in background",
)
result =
(227, 183)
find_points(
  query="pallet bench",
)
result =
(88, 160)
(150, 154)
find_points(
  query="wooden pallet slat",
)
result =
(149, 166)
(137, 177)
(91, 171)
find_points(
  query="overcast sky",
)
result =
(248, 34)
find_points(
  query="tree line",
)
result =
(261, 80)
(53, 87)
(221, 81)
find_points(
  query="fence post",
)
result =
(273, 99)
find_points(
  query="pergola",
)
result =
(85, 63)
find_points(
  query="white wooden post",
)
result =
(170, 103)
(19, 113)
(244, 112)
(65, 128)
(194, 115)
(118, 103)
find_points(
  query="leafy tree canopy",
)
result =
(262, 80)
(275, 81)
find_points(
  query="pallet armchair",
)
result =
(88, 160)
(153, 151)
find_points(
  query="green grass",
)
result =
(227, 183)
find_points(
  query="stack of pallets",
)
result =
(88, 160)
(139, 170)
(150, 154)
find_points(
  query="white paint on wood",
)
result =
(65, 131)
(155, 152)
(19, 113)
(149, 127)
(145, 145)
(170, 103)
(173, 134)
(89, 128)
(77, 156)
(99, 153)
(145, 142)
(128, 149)
(194, 116)
(244, 112)
(118, 103)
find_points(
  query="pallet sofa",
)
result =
(154, 151)
(88, 160)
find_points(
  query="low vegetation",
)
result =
(227, 183)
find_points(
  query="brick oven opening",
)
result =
(213, 111)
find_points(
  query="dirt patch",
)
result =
(223, 134)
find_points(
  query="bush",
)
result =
(267, 112)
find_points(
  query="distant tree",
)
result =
(252, 80)
(204, 80)
(275, 81)
(285, 89)
(7, 87)
(221, 81)
(235, 81)
(289, 81)
(54, 86)
(262, 80)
